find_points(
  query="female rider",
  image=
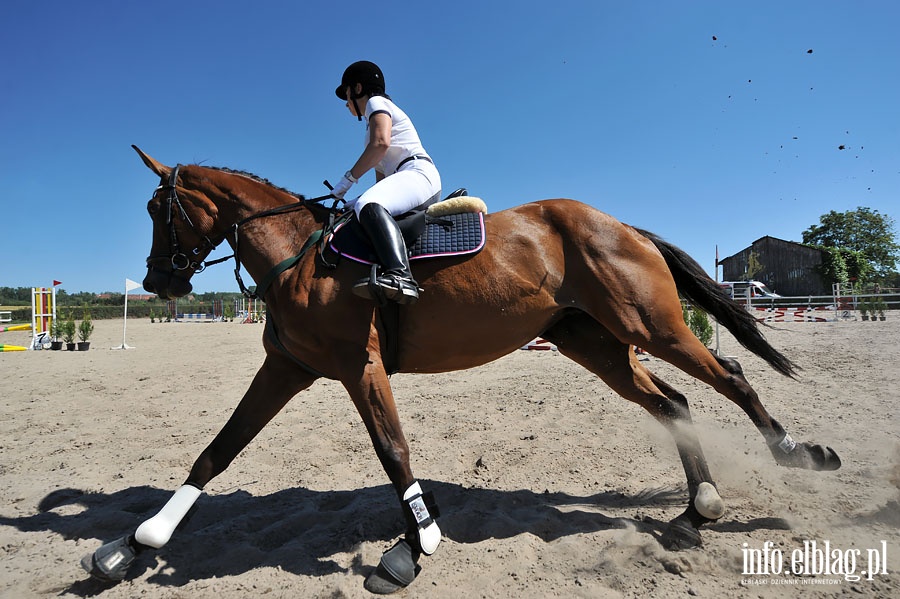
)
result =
(405, 177)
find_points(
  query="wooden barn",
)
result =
(788, 268)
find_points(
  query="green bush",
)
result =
(69, 329)
(86, 326)
(698, 322)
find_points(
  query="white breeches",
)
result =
(415, 184)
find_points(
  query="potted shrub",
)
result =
(85, 328)
(68, 332)
(56, 332)
(873, 315)
(879, 306)
(864, 308)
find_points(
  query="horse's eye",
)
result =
(152, 208)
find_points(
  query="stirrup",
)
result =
(393, 287)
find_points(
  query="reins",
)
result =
(180, 261)
(314, 238)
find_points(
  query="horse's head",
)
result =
(183, 227)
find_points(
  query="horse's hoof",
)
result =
(380, 582)
(396, 570)
(111, 561)
(681, 535)
(825, 458)
(809, 457)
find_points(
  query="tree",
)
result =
(863, 230)
(840, 265)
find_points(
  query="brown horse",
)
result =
(557, 269)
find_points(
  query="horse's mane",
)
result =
(256, 178)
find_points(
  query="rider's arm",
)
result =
(379, 142)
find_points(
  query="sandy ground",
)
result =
(550, 485)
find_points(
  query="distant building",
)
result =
(788, 268)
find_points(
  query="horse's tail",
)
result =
(696, 287)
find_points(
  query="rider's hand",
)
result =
(343, 186)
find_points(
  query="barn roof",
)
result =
(763, 238)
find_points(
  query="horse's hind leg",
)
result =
(654, 322)
(784, 449)
(677, 345)
(276, 382)
(590, 344)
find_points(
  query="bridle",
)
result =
(177, 260)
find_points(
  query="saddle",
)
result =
(453, 226)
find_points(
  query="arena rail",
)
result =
(842, 306)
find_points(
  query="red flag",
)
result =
(55, 282)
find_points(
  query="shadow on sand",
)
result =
(298, 530)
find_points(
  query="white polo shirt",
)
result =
(404, 138)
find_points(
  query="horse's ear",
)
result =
(160, 169)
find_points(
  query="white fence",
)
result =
(842, 305)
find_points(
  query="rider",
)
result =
(405, 177)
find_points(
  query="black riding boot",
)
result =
(395, 281)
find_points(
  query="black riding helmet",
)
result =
(364, 72)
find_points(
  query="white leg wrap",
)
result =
(708, 502)
(787, 444)
(429, 532)
(157, 531)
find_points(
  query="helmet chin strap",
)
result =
(354, 97)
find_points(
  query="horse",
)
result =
(557, 269)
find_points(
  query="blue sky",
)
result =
(709, 123)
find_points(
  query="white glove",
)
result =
(343, 186)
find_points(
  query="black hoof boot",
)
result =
(684, 531)
(111, 561)
(397, 570)
(680, 535)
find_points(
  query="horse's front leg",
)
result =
(274, 385)
(373, 398)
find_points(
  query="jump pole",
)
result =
(4, 348)
(16, 327)
(718, 352)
